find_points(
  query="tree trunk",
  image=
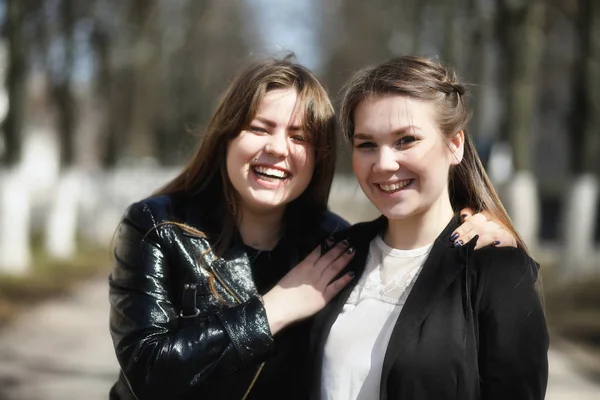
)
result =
(581, 200)
(146, 55)
(15, 82)
(15, 206)
(521, 33)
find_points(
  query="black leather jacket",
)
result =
(173, 337)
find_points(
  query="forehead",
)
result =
(281, 106)
(382, 114)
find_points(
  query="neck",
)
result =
(420, 229)
(261, 231)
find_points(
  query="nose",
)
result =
(386, 160)
(278, 144)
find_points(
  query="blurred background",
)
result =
(102, 101)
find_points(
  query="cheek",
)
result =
(304, 158)
(360, 165)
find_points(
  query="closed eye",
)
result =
(365, 145)
(254, 128)
(299, 138)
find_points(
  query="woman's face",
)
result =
(400, 156)
(272, 162)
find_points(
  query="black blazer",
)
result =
(472, 326)
(173, 337)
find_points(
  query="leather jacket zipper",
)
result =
(234, 295)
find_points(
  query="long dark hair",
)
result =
(206, 172)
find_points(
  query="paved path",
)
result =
(62, 351)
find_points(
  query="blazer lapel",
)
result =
(360, 237)
(439, 271)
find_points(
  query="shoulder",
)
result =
(150, 211)
(332, 223)
(160, 212)
(506, 267)
(363, 231)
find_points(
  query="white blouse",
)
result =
(358, 339)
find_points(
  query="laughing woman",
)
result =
(426, 320)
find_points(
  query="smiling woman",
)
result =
(426, 319)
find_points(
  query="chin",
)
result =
(398, 212)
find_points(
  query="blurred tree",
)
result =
(16, 76)
(146, 53)
(209, 45)
(585, 113)
(581, 200)
(104, 85)
(62, 84)
(520, 32)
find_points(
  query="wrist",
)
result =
(275, 315)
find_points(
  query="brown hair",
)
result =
(424, 79)
(206, 172)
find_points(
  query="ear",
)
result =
(457, 147)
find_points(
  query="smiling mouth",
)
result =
(270, 174)
(396, 186)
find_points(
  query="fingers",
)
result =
(333, 254)
(333, 269)
(466, 213)
(486, 239)
(336, 286)
(489, 231)
(314, 256)
(473, 225)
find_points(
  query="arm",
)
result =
(160, 356)
(513, 357)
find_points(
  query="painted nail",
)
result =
(346, 242)
(454, 236)
(458, 243)
(330, 240)
(352, 274)
(496, 242)
(350, 250)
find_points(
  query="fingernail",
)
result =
(350, 250)
(330, 240)
(463, 216)
(454, 236)
(346, 242)
(496, 242)
(352, 274)
(458, 243)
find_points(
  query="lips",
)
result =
(270, 172)
(392, 187)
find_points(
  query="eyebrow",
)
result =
(272, 124)
(396, 132)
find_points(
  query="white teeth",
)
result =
(395, 186)
(271, 172)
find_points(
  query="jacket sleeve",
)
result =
(513, 357)
(160, 355)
